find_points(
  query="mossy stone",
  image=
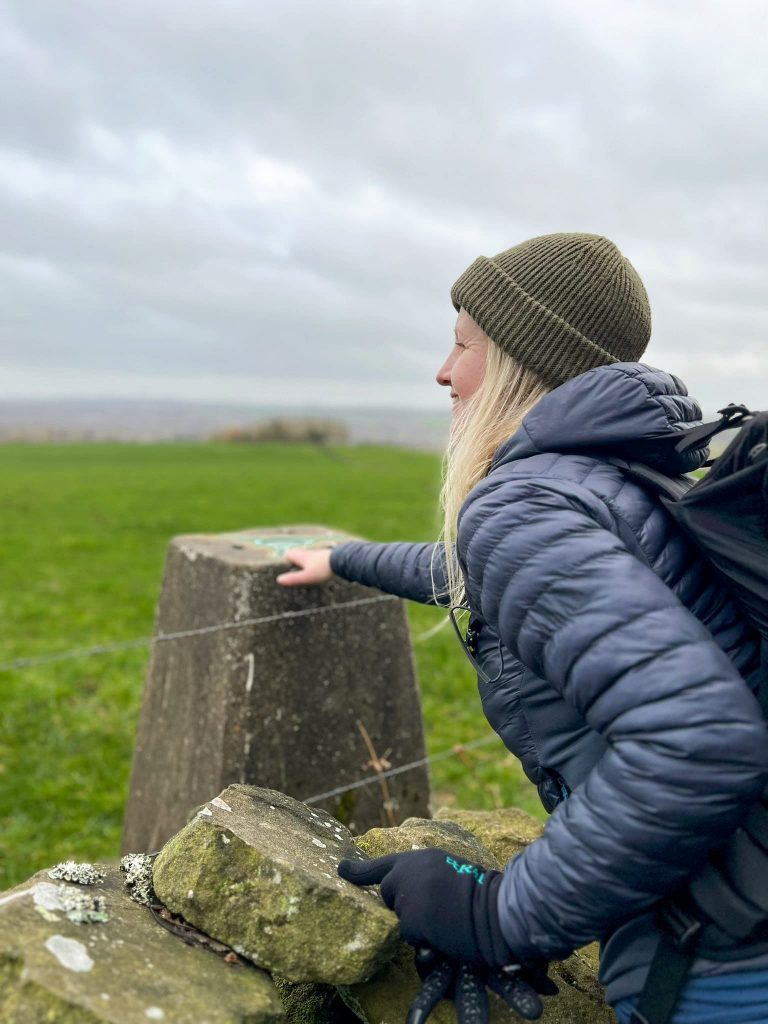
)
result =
(256, 870)
(426, 833)
(313, 1004)
(505, 831)
(127, 970)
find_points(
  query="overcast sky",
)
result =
(235, 199)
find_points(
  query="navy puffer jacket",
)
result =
(627, 668)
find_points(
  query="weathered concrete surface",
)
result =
(274, 704)
(257, 871)
(129, 970)
(505, 831)
(426, 833)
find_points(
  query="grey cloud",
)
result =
(290, 189)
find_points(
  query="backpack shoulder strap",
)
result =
(671, 487)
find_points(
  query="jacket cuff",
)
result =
(340, 559)
(527, 946)
(489, 937)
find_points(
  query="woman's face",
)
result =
(464, 368)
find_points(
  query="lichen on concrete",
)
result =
(138, 877)
(82, 907)
(74, 871)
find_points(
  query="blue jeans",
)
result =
(740, 998)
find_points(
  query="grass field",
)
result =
(83, 534)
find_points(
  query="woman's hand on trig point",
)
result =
(314, 567)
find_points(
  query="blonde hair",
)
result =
(494, 412)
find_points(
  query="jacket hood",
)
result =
(626, 410)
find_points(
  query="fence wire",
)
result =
(371, 779)
(34, 660)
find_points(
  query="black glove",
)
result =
(466, 985)
(442, 901)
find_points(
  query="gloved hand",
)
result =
(447, 909)
(466, 985)
(442, 901)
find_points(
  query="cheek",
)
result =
(472, 374)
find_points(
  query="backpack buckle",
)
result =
(733, 411)
(683, 927)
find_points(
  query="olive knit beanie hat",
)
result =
(559, 304)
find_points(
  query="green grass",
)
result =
(83, 535)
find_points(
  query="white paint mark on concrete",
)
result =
(357, 943)
(318, 842)
(69, 952)
(218, 802)
(251, 670)
(205, 813)
(154, 1013)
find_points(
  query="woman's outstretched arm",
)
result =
(401, 568)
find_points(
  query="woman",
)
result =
(614, 663)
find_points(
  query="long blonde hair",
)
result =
(494, 412)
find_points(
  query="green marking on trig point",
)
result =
(281, 545)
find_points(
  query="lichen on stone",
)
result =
(82, 907)
(72, 871)
(138, 877)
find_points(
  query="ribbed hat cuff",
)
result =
(518, 323)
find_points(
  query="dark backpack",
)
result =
(723, 910)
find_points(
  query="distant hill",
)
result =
(154, 420)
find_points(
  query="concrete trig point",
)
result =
(276, 703)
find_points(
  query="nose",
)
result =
(443, 375)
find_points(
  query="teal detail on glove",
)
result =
(467, 869)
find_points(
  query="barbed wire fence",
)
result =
(379, 774)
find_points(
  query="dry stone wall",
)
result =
(251, 882)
